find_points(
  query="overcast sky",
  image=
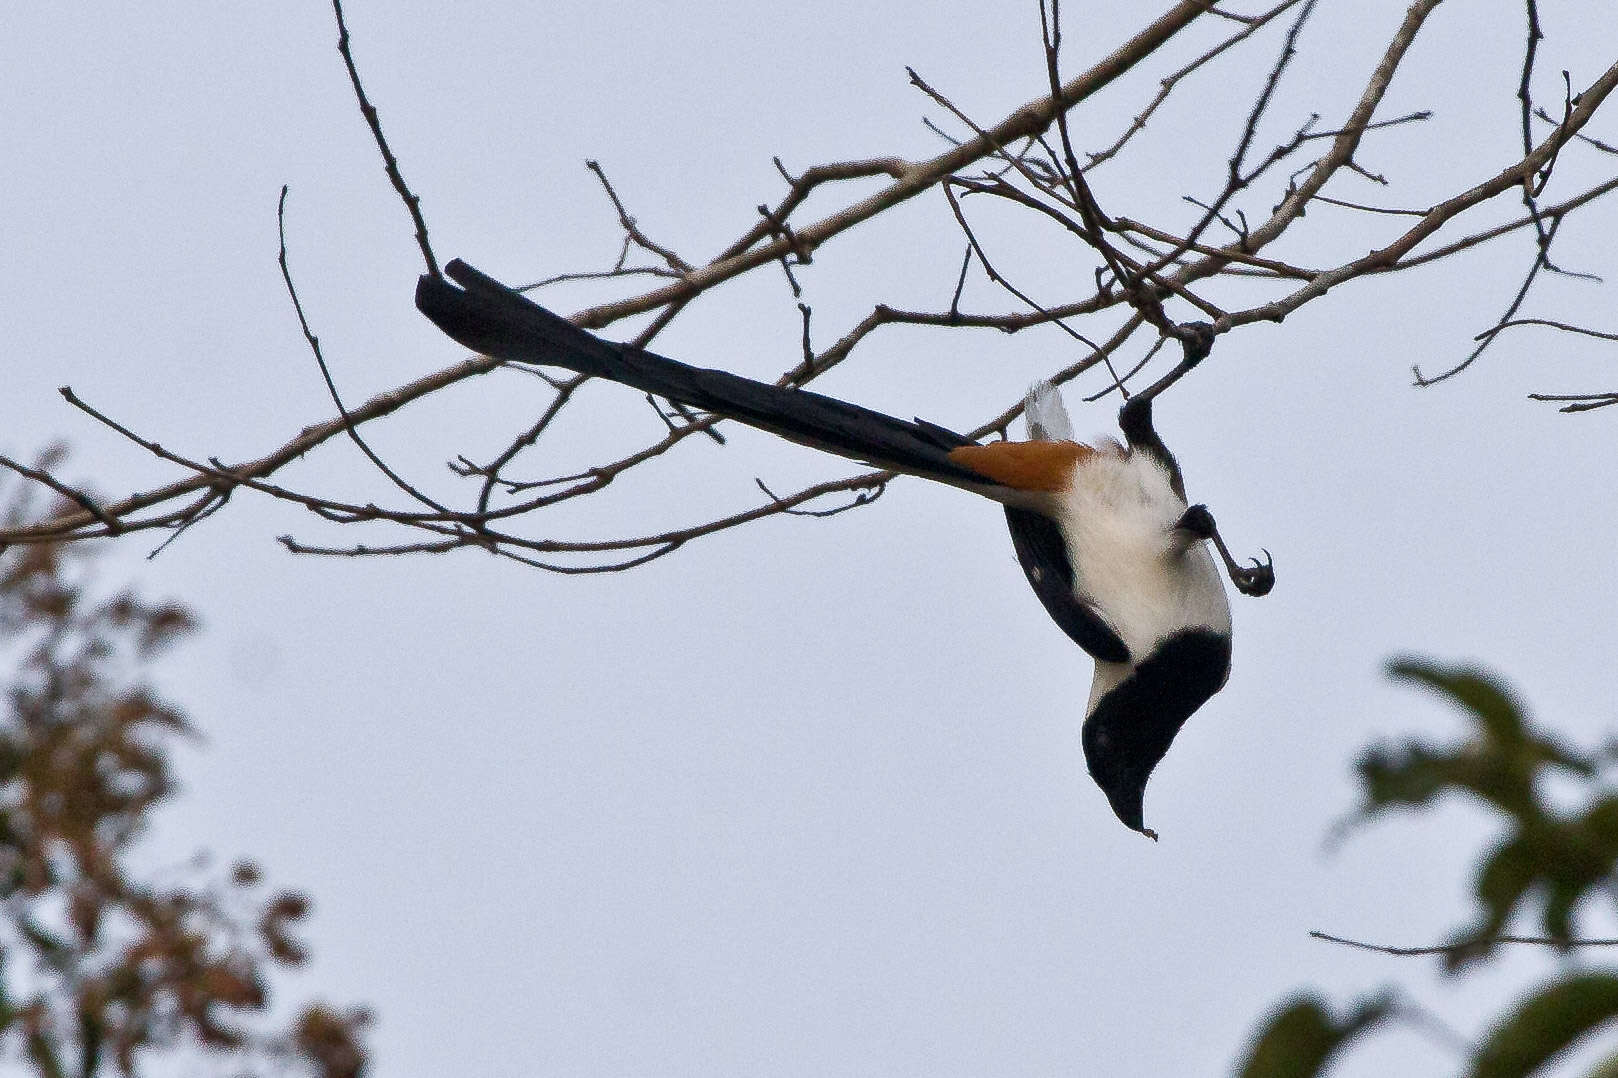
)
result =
(806, 798)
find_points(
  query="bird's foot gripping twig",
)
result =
(1196, 339)
(1256, 579)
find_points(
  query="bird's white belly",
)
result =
(1118, 521)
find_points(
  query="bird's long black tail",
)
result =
(490, 318)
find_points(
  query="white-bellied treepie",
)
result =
(1104, 533)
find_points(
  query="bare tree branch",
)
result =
(1131, 287)
(1031, 118)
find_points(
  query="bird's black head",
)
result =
(1133, 725)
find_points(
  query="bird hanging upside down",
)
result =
(1104, 533)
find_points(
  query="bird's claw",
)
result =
(1255, 581)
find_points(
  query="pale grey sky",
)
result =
(807, 798)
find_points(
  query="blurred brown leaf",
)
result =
(105, 967)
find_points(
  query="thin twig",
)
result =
(1347, 205)
(995, 275)
(209, 504)
(861, 498)
(1167, 85)
(1464, 945)
(72, 494)
(1490, 332)
(1486, 339)
(325, 371)
(632, 227)
(389, 162)
(1582, 402)
(1604, 147)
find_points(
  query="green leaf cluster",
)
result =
(1546, 861)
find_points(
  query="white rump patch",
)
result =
(1046, 414)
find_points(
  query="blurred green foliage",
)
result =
(1558, 859)
(1301, 1037)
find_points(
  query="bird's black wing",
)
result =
(1043, 556)
(490, 318)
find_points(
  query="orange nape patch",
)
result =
(1044, 466)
